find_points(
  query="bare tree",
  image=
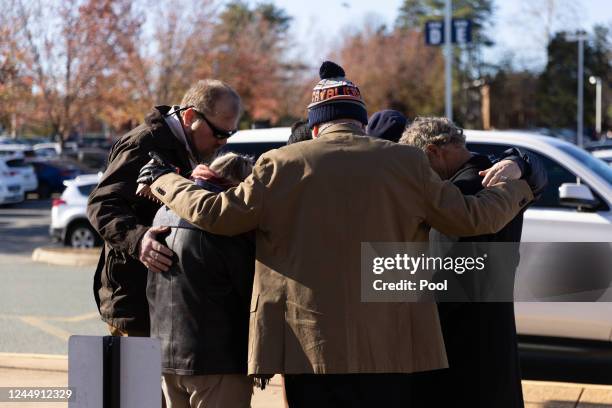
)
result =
(545, 17)
(69, 49)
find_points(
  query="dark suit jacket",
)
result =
(480, 338)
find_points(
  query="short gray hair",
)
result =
(432, 130)
(204, 95)
(232, 166)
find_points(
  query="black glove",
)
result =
(532, 169)
(154, 169)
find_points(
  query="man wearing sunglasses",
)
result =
(184, 136)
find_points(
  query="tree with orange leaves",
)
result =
(395, 70)
(250, 45)
(69, 49)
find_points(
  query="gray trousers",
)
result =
(207, 391)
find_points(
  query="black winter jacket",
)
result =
(121, 218)
(480, 338)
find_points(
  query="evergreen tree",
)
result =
(557, 84)
(468, 62)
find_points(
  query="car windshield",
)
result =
(17, 163)
(599, 167)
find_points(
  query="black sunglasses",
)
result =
(217, 133)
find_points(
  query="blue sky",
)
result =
(317, 24)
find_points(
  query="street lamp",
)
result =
(593, 80)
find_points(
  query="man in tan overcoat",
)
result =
(312, 204)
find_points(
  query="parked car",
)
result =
(601, 149)
(69, 223)
(575, 207)
(555, 337)
(26, 171)
(11, 188)
(53, 149)
(564, 340)
(605, 155)
(51, 175)
(11, 149)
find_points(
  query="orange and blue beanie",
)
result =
(335, 97)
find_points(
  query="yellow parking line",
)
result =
(46, 327)
(34, 355)
(69, 319)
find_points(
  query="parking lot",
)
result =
(41, 305)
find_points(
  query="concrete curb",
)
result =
(66, 256)
(540, 383)
(41, 362)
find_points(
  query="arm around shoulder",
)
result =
(232, 212)
(452, 213)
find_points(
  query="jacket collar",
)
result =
(342, 128)
(477, 161)
(164, 138)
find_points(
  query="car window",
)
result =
(490, 150)
(17, 163)
(86, 189)
(251, 149)
(587, 159)
(557, 174)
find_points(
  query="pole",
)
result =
(449, 59)
(598, 107)
(485, 97)
(580, 116)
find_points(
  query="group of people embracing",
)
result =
(245, 270)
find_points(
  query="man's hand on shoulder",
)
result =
(501, 171)
(530, 168)
(155, 256)
(202, 171)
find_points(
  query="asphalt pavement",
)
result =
(40, 305)
(24, 227)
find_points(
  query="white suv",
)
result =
(69, 223)
(26, 171)
(11, 187)
(575, 207)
